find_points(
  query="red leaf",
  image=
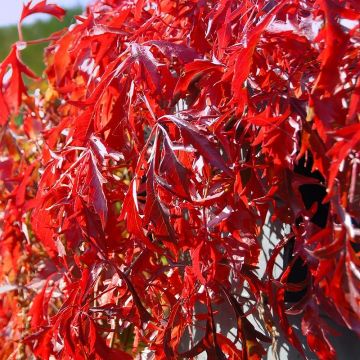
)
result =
(42, 7)
(96, 197)
(174, 172)
(313, 329)
(172, 50)
(193, 71)
(14, 88)
(154, 211)
(243, 58)
(192, 136)
(130, 213)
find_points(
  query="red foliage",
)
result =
(135, 182)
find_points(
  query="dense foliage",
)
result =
(135, 187)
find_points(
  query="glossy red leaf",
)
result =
(42, 7)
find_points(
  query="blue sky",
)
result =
(11, 9)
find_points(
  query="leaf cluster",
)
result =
(135, 190)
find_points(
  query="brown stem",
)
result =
(39, 41)
(21, 38)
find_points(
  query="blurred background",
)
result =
(35, 27)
